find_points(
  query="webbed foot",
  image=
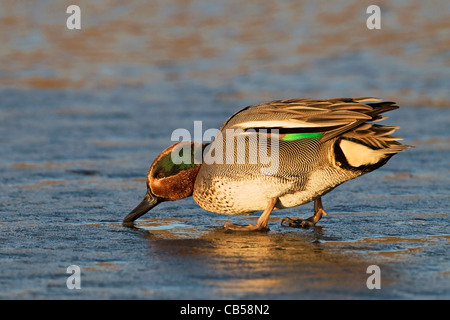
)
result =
(311, 221)
(299, 223)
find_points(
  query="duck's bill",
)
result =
(150, 201)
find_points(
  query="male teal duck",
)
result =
(292, 152)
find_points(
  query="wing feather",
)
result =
(335, 116)
(350, 118)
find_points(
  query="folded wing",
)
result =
(324, 119)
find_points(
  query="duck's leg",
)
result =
(261, 225)
(311, 221)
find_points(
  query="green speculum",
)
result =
(297, 136)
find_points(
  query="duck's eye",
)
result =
(160, 175)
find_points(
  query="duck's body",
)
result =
(237, 189)
(281, 154)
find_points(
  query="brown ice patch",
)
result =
(439, 143)
(402, 176)
(50, 164)
(109, 266)
(77, 165)
(383, 239)
(43, 183)
(102, 266)
(50, 83)
(395, 253)
(398, 247)
(20, 293)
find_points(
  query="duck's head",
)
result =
(170, 177)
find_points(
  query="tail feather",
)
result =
(377, 137)
(381, 107)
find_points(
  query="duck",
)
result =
(275, 155)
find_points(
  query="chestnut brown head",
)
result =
(170, 177)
